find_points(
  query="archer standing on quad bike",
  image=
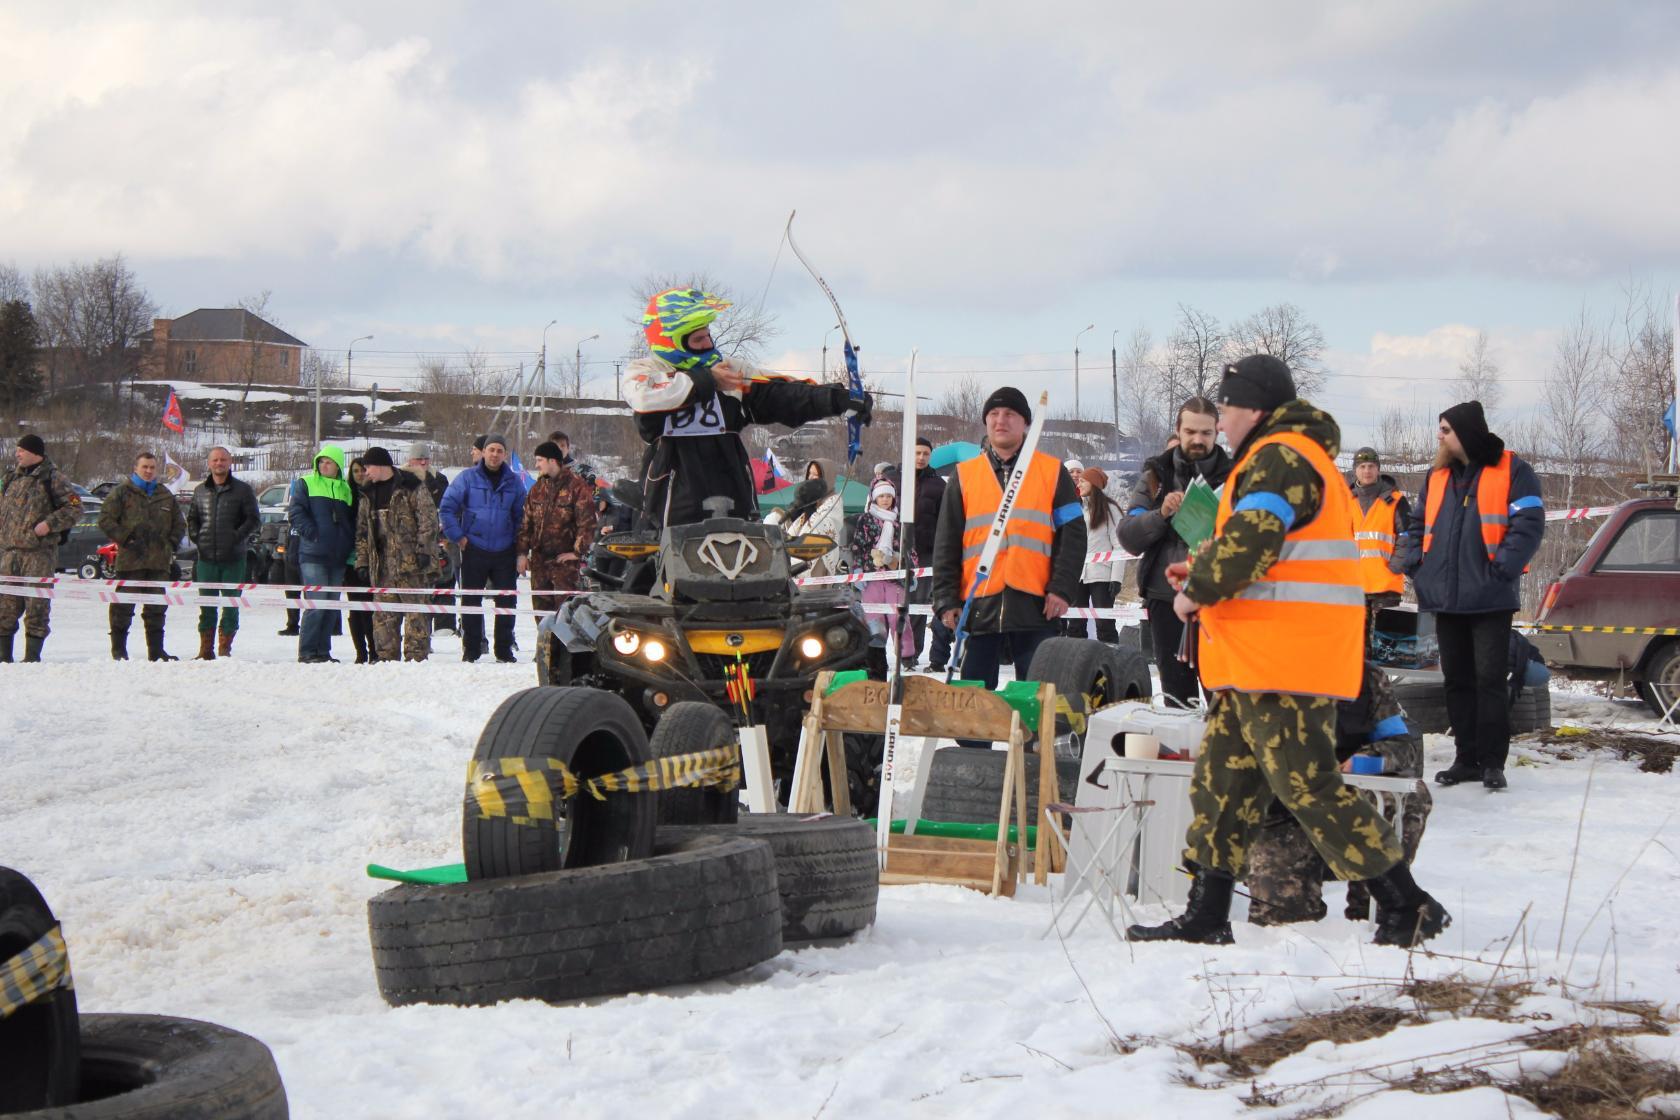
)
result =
(691, 404)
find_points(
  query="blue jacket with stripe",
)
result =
(1455, 576)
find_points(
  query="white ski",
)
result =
(994, 536)
(901, 618)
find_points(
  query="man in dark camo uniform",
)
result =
(36, 505)
(1286, 875)
(1260, 744)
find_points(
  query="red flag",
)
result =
(172, 414)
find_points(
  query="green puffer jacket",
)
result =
(146, 527)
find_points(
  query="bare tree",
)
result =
(1572, 406)
(1196, 353)
(320, 367)
(1146, 406)
(1406, 439)
(91, 316)
(1284, 332)
(742, 331)
(1478, 377)
(962, 398)
(1641, 363)
(13, 286)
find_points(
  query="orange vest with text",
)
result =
(1493, 503)
(1373, 532)
(1300, 627)
(1023, 559)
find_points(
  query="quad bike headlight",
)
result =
(654, 650)
(838, 637)
(626, 642)
(810, 647)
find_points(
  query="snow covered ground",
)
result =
(201, 829)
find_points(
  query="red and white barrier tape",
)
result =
(270, 596)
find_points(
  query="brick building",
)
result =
(220, 345)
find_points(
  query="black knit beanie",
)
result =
(1257, 381)
(377, 457)
(1469, 424)
(478, 444)
(1008, 397)
(33, 444)
(548, 449)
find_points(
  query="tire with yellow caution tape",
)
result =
(1088, 675)
(147, 1067)
(40, 1049)
(704, 905)
(592, 733)
(827, 870)
(687, 727)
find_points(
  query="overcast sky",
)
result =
(980, 180)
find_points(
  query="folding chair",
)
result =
(1106, 868)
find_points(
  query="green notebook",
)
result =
(1195, 517)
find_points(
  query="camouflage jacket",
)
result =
(401, 538)
(147, 527)
(1252, 538)
(1374, 723)
(559, 518)
(31, 495)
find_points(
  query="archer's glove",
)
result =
(845, 405)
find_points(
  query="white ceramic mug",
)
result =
(1142, 746)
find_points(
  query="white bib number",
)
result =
(703, 418)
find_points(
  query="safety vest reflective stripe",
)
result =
(1368, 536)
(1300, 627)
(1023, 559)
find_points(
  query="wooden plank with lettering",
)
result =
(931, 708)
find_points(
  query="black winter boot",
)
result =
(1406, 914)
(6, 648)
(31, 647)
(154, 645)
(1207, 915)
(1493, 777)
(119, 645)
(1458, 772)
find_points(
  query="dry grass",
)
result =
(1656, 754)
(1603, 1077)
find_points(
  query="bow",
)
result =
(854, 379)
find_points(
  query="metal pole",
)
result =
(1114, 372)
(1076, 339)
(543, 366)
(577, 358)
(519, 413)
(617, 390)
(317, 446)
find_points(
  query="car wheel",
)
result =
(687, 727)
(592, 733)
(88, 569)
(1662, 679)
(40, 1052)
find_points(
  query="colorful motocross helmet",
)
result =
(672, 316)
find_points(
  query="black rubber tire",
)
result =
(686, 727)
(554, 664)
(156, 1067)
(965, 785)
(826, 870)
(40, 1055)
(1661, 681)
(1532, 711)
(1425, 705)
(592, 732)
(703, 906)
(1086, 673)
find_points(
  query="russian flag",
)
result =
(172, 418)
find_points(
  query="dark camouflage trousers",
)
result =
(1260, 745)
(122, 614)
(35, 612)
(1286, 875)
(402, 634)
(552, 576)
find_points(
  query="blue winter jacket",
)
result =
(485, 511)
(1455, 575)
(321, 514)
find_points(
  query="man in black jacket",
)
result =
(221, 521)
(1146, 530)
(930, 491)
(1013, 620)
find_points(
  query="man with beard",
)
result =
(1483, 519)
(1146, 530)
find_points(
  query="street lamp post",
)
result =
(543, 364)
(826, 333)
(1076, 339)
(577, 367)
(1114, 370)
(348, 362)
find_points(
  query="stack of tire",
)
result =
(56, 1063)
(965, 785)
(628, 893)
(1425, 703)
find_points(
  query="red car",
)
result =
(1603, 619)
